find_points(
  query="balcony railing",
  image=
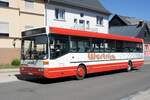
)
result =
(83, 28)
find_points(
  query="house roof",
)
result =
(129, 20)
(130, 30)
(94, 5)
(132, 20)
(148, 24)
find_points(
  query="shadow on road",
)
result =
(66, 79)
(44, 80)
(106, 73)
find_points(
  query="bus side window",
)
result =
(74, 46)
(81, 46)
(119, 46)
(139, 47)
(59, 46)
(126, 47)
(51, 41)
(107, 49)
(107, 44)
(87, 46)
(96, 49)
(102, 47)
(97, 46)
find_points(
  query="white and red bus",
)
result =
(57, 52)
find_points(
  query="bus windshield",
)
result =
(35, 47)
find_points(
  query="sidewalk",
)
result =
(144, 95)
(8, 75)
(9, 70)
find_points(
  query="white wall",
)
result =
(71, 14)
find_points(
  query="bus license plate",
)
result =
(30, 74)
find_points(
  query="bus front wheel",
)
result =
(80, 72)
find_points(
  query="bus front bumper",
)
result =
(31, 71)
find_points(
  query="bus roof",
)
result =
(72, 32)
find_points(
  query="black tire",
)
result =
(80, 72)
(129, 66)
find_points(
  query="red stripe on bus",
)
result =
(138, 64)
(71, 71)
(71, 32)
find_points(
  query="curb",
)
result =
(9, 70)
(147, 62)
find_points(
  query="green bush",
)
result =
(15, 62)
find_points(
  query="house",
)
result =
(148, 23)
(132, 27)
(118, 20)
(86, 15)
(19, 15)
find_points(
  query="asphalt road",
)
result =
(103, 86)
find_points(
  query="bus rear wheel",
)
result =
(129, 66)
(80, 72)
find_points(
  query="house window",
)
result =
(99, 20)
(81, 14)
(4, 29)
(75, 21)
(60, 14)
(82, 24)
(29, 4)
(4, 3)
(88, 24)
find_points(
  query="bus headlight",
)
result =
(22, 68)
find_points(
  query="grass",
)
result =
(7, 66)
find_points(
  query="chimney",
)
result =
(140, 24)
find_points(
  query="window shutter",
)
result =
(4, 0)
(4, 28)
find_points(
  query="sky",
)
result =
(133, 8)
